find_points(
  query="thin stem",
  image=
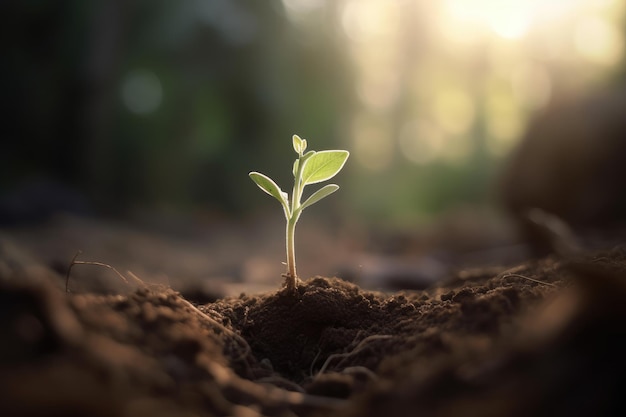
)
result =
(291, 276)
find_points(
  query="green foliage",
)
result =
(309, 168)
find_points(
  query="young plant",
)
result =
(309, 168)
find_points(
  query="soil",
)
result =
(544, 337)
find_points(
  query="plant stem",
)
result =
(291, 280)
(291, 276)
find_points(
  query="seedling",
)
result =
(309, 168)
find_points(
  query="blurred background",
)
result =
(139, 121)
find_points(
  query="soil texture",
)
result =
(542, 338)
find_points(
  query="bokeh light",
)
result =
(141, 91)
(598, 41)
(464, 44)
(143, 101)
(446, 82)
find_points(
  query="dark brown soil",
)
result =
(543, 338)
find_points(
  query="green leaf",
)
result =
(299, 145)
(266, 184)
(323, 192)
(323, 165)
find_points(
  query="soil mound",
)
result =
(542, 338)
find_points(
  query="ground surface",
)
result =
(542, 338)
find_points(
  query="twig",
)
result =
(514, 270)
(528, 278)
(136, 278)
(75, 262)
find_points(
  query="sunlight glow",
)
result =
(512, 19)
(431, 76)
(598, 41)
(364, 19)
(508, 18)
(452, 83)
